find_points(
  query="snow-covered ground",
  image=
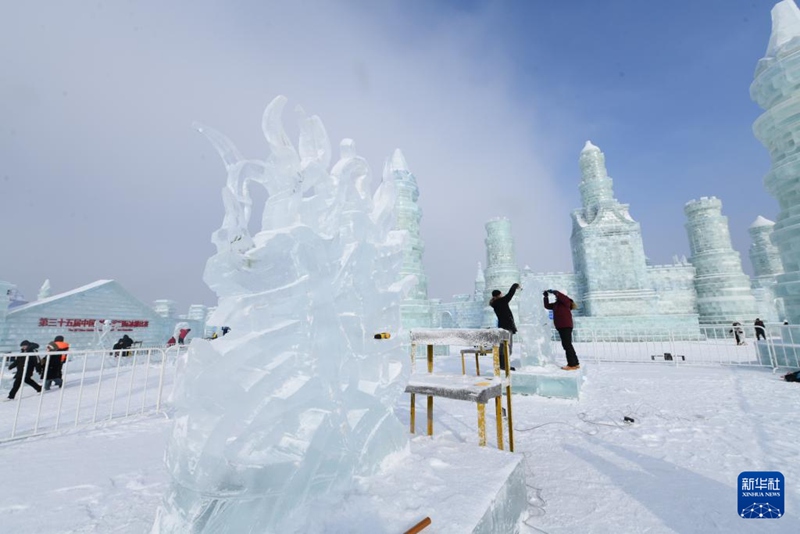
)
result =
(673, 470)
(91, 393)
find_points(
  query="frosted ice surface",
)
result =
(274, 420)
(459, 336)
(785, 26)
(470, 388)
(589, 146)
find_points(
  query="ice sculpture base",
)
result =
(550, 381)
(461, 487)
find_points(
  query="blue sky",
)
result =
(491, 103)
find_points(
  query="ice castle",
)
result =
(776, 90)
(615, 285)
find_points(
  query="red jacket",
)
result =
(562, 310)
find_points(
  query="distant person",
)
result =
(225, 330)
(214, 335)
(25, 365)
(562, 320)
(171, 341)
(737, 332)
(760, 330)
(505, 319)
(123, 344)
(182, 335)
(54, 362)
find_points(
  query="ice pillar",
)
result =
(501, 266)
(416, 308)
(723, 290)
(767, 266)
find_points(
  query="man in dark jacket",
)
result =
(54, 362)
(505, 319)
(123, 344)
(760, 329)
(25, 366)
(562, 319)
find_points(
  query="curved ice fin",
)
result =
(225, 148)
(314, 145)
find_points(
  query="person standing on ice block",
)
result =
(505, 318)
(562, 319)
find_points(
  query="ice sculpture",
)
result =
(102, 329)
(775, 90)
(44, 291)
(274, 420)
(534, 327)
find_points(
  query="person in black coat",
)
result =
(124, 343)
(25, 365)
(760, 329)
(505, 318)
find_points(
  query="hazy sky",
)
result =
(102, 176)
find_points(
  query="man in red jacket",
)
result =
(562, 319)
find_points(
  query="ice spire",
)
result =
(785, 26)
(596, 185)
(593, 163)
(589, 147)
(480, 282)
(44, 291)
(398, 162)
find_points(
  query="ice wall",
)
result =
(274, 420)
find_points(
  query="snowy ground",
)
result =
(673, 470)
(91, 394)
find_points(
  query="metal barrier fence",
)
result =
(711, 345)
(98, 385)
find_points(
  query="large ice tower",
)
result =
(416, 308)
(767, 266)
(776, 89)
(607, 246)
(275, 420)
(723, 290)
(501, 266)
